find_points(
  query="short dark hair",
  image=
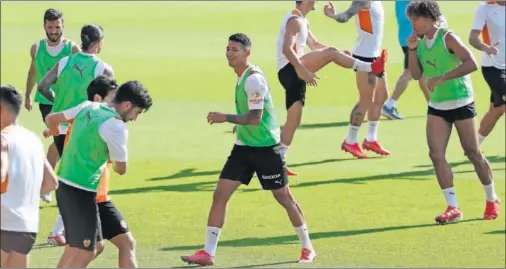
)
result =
(428, 9)
(243, 39)
(10, 96)
(298, 2)
(52, 14)
(134, 92)
(91, 33)
(101, 85)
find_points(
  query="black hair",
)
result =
(10, 95)
(133, 91)
(91, 33)
(101, 85)
(242, 39)
(298, 2)
(426, 9)
(52, 14)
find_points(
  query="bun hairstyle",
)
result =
(91, 33)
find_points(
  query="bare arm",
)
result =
(355, 7)
(46, 82)
(475, 41)
(253, 117)
(414, 66)
(4, 158)
(54, 120)
(291, 32)
(75, 48)
(313, 43)
(468, 65)
(30, 80)
(50, 181)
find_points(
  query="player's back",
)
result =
(370, 24)
(25, 172)
(300, 42)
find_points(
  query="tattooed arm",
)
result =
(45, 84)
(351, 11)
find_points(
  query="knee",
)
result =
(99, 248)
(129, 244)
(220, 197)
(406, 76)
(474, 155)
(284, 198)
(332, 52)
(437, 156)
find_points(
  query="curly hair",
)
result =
(426, 9)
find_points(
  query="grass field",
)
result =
(361, 213)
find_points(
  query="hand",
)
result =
(433, 82)
(216, 117)
(46, 133)
(234, 130)
(28, 103)
(413, 41)
(309, 77)
(329, 10)
(491, 50)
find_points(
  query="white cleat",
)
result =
(307, 256)
(46, 197)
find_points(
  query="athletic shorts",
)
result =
(365, 59)
(19, 242)
(45, 110)
(266, 162)
(405, 50)
(496, 80)
(80, 215)
(453, 115)
(59, 142)
(113, 223)
(295, 88)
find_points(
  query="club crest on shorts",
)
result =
(86, 243)
(123, 224)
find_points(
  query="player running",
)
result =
(373, 93)
(256, 150)
(447, 63)
(45, 54)
(489, 20)
(71, 77)
(99, 134)
(296, 69)
(25, 173)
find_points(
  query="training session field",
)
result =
(377, 212)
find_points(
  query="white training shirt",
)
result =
(52, 50)
(300, 42)
(21, 201)
(370, 23)
(489, 18)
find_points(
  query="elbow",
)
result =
(55, 185)
(120, 171)
(473, 64)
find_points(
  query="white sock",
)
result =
(213, 235)
(390, 103)
(481, 138)
(372, 131)
(303, 235)
(352, 134)
(362, 66)
(284, 151)
(490, 192)
(58, 227)
(451, 197)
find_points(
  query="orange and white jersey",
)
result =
(370, 22)
(25, 171)
(300, 42)
(489, 19)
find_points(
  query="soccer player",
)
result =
(373, 93)
(25, 173)
(45, 54)
(256, 150)
(296, 69)
(489, 21)
(447, 63)
(99, 134)
(71, 77)
(114, 228)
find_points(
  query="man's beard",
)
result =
(53, 37)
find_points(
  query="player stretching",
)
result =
(113, 226)
(447, 63)
(71, 77)
(370, 21)
(296, 69)
(256, 150)
(99, 133)
(25, 174)
(45, 54)
(489, 21)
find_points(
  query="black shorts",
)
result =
(266, 162)
(295, 88)
(45, 110)
(365, 59)
(19, 242)
(496, 80)
(79, 212)
(59, 142)
(113, 223)
(452, 115)
(405, 50)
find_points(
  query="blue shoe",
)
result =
(391, 113)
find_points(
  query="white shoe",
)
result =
(46, 197)
(307, 256)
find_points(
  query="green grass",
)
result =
(361, 213)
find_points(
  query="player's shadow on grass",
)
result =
(503, 232)
(491, 159)
(292, 239)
